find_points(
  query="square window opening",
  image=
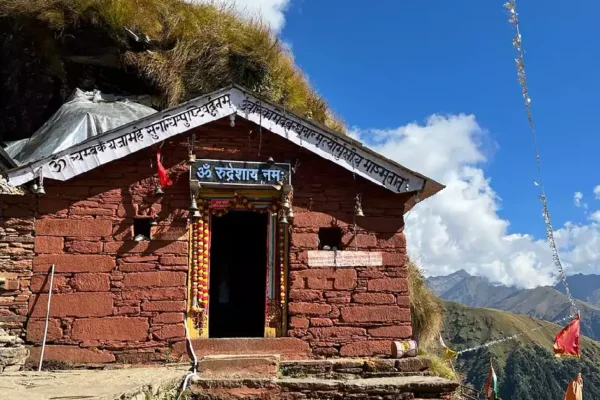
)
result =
(330, 238)
(142, 228)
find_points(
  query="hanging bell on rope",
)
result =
(283, 220)
(196, 215)
(290, 213)
(191, 158)
(158, 190)
(193, 205)
(38, 188)
(358, 211)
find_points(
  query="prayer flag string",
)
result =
(517, 42)
(507, 338)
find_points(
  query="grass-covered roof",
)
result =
(169, 49)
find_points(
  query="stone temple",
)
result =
(268, 241)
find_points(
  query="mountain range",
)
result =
(545, 302)
(525, 366)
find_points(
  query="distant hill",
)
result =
(469, 290)
(547, 303)
(583, 287)
(526, 366)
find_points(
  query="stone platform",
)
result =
(254, 377)
(239, 377)
(113, 384)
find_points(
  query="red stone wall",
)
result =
(118, 300)
(347, 311)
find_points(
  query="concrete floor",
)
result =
(122, 384)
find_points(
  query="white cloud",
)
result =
(460, 227)
(270, 11)
(597, 192)
(577, 197)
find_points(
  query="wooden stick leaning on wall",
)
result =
(47, 318)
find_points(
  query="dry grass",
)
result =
(426, 310)
(196, 48)
(427, 315)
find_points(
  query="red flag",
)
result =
(566, 343)
(162, 173)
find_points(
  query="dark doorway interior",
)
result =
(238, 273)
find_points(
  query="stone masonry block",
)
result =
(116, 328)
(49, 244)
(72, 305)
(74, 263)
(68, 227)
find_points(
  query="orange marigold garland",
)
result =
(194, 262)
(282, 265)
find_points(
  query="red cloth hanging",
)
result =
(566, 343)
(162, 172)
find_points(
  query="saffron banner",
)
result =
(575, 389)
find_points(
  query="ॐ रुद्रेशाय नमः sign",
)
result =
(240, 173)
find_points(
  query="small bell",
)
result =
(270, 161)
(191, 158)
(158, 190)
(358, 211)
(290, 213)
(196, 215)
(153, 222)
(193, 205)
(232, 120)
(39, 189)
(283, 220)
(286, 203)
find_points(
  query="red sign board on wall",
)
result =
(219, 204)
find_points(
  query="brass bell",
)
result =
(38, 188)
(196, 215)
(290, 213)
(283, 220)
(193, 205)
(359, 211)
(191, 158)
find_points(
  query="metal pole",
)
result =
(47, 317)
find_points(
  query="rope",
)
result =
(507, 338)
(511, 6)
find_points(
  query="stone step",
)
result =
(288, 348)
(408, 388)
(417, 385)
(239, 366)
(352, 368)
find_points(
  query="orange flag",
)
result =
(566, 343)
(575, 389)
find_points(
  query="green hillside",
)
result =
(526, 366)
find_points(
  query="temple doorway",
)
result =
(238, 274)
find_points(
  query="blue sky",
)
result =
(433, 85)
(394, 62)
